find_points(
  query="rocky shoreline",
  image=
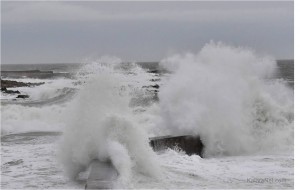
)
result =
(14, 84)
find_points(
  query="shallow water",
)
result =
(28, 161)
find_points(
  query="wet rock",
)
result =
(13, 163)
(14, 84)
(3, 89)
(155, 71)
(22, 96)
(156, 86)
(154, 80)
(12, 91)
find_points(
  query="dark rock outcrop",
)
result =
(13, 84)
(155, 80)
(22, 96)
(155, 71)
(156, 86)
(4, 89)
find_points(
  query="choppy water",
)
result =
(109, 109)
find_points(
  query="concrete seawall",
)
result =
(188, 143)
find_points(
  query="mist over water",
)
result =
(227, 95)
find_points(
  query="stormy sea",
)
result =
(56, 118)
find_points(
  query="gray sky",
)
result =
(51, 32)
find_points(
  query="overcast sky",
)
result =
(52, 32)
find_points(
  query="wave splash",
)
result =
(227, 96)
(101, 125)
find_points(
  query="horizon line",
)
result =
(33, 63)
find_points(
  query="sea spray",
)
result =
(101, 125)
(228, 97)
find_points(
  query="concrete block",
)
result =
(102, 175)
(188, 143)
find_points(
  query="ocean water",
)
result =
(239, 103)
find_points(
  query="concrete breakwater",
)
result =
(187, 143)
(102, 175)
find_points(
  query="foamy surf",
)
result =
(227, 95)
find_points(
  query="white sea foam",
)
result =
(225, 95)
(21, 119)
(181, 171)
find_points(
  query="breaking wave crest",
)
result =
(101, 125)
(227, 95)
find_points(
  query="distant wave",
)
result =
(64, 95)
